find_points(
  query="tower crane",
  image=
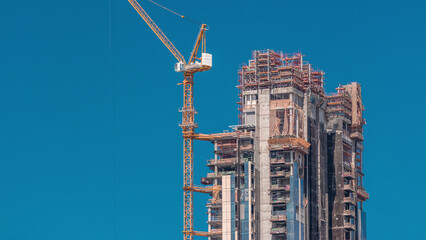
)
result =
(188, 125)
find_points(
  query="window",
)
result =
(280, 96)
(250, 118)
(250, 99)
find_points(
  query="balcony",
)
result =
(226, 147)
(214, 203)
(277, 187)
(348, 187)
(280, 161)
(249, 107)
(221, 162)
(349, 199)
(350, 226)
(280, 200)
(220, 174)
(357, 136)
(215, 220)
(277, 218)
(246, 147)
(289, 143)
(349, 175)
(349, 213)
(280, 230)
(280, 174)
(362, 194)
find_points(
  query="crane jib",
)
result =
(157, 31)
(182, 65)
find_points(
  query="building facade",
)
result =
(292, 168)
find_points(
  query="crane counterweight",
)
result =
(206, 62)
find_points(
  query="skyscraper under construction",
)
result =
(292, 168)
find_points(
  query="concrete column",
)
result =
(250, 199)
(263, 132)
(228, 208)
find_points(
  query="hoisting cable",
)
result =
(180, 15)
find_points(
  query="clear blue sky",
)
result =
(90, 146)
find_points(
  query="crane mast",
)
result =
(188, 124)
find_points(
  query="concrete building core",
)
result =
(292, 168)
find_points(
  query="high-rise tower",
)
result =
(292, 168)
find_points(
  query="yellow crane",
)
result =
(188, 68)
